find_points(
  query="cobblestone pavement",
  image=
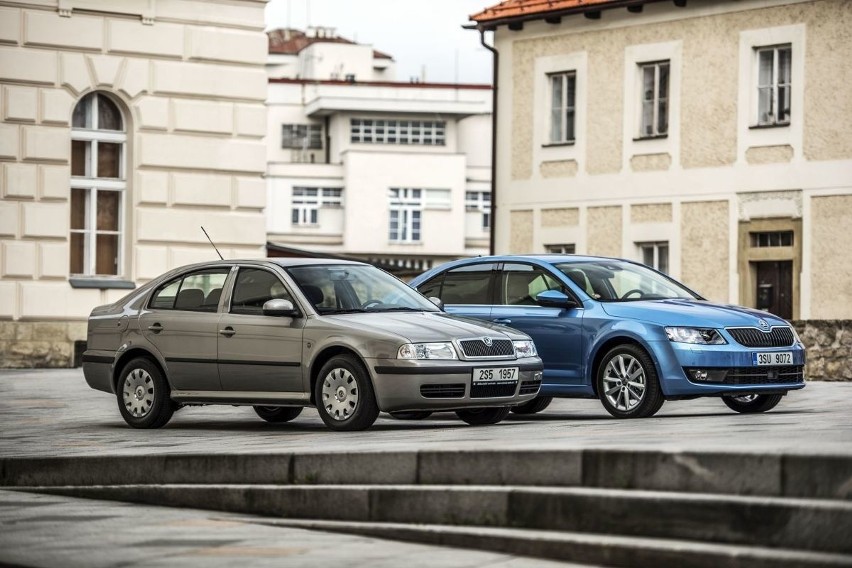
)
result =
(54, 413)
(49, 531)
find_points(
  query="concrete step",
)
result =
(584, 548)
(798, 524)
(775, 475)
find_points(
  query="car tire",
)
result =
(344, 395)
(484, 416)
(142, 393)
(537, 404)
(621, 397)
(752, 404)
(277, 414)
(411, 415)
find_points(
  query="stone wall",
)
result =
(829, 345)
(25, 345)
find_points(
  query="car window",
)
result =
(465, 285)
(521, 283)
(253, 288)
(432, 287)
(621, 281)
(195, 292)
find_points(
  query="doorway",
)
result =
(774, 292)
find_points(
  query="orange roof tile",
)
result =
(291, 42)
(513, 9)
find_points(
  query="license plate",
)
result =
(772, 359)
(495, 375)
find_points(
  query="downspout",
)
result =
(495, 76)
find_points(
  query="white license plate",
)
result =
(770, 359)
(495, 375)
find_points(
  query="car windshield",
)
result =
(619, 281)
(352, 288)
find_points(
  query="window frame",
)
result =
(655, 247)
(305, 213)
(566, 106)
(775, 85)
(408, 210)
(91, 185)
(478, 203)
(656, 100)
(549, 248)
(311, 129)
(404, 132)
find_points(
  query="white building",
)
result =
(397, 173)
(125, 127)
(709, 139)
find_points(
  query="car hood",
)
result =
(694, 313)
(418, 327)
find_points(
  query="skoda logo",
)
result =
(487, 341)
(763, 325)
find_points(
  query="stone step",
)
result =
(583, 548)
(799, 524)
(775, 475)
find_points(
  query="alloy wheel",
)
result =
(624, 382)
(340, 393)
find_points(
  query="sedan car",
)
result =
(624, 333)
(283, 334)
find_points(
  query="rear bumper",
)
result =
(98, 370)
(446, 385)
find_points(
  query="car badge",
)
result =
(487, 341)
(763, 325)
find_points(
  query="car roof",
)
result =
(284, 262)
(550, 258)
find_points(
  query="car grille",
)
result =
(753, 337)
(476, 348)
(455, 390)
(488, 391)
(756, 375)
(530, 387)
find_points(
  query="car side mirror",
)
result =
(437, 301)
(278, 307)
(555, 299)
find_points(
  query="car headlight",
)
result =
(427, 351)
(695, 335)
(525, 348)
(796, 336)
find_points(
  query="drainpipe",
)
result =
(495, 76)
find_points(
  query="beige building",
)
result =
(710, 139)
(125, 127)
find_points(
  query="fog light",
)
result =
(707, 375)
(699, 374)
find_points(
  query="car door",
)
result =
(259, 353)
(557, 332)
(465, 291)
(181, 322)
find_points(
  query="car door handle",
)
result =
(504, 321)
(156, 328)
(228, 331)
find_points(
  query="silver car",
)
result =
(283, 334)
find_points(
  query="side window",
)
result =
(432, 287)
(521, 283)
(253, 288)
(466, 285)
(196, 292)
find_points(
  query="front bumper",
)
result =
(730, 369)
(403, 385)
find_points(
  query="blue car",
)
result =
(624, 333)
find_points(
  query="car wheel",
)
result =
(752, 403)
(278, 413)
(627, 383)
(537, 404)
(344, 395)
(143, 395)
(482, 416)
(412, 415)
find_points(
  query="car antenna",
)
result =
(211, 242)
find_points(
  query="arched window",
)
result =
(98, 183)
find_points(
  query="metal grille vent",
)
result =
(477, 348)
(753, 337)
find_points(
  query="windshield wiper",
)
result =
(348, 311)
(399, 309)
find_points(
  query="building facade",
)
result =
(708, 139)
(126, 126)
(395, 173)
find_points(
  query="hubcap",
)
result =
(339, 394)
(138, 393)
(624, 382)
(746, 398)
